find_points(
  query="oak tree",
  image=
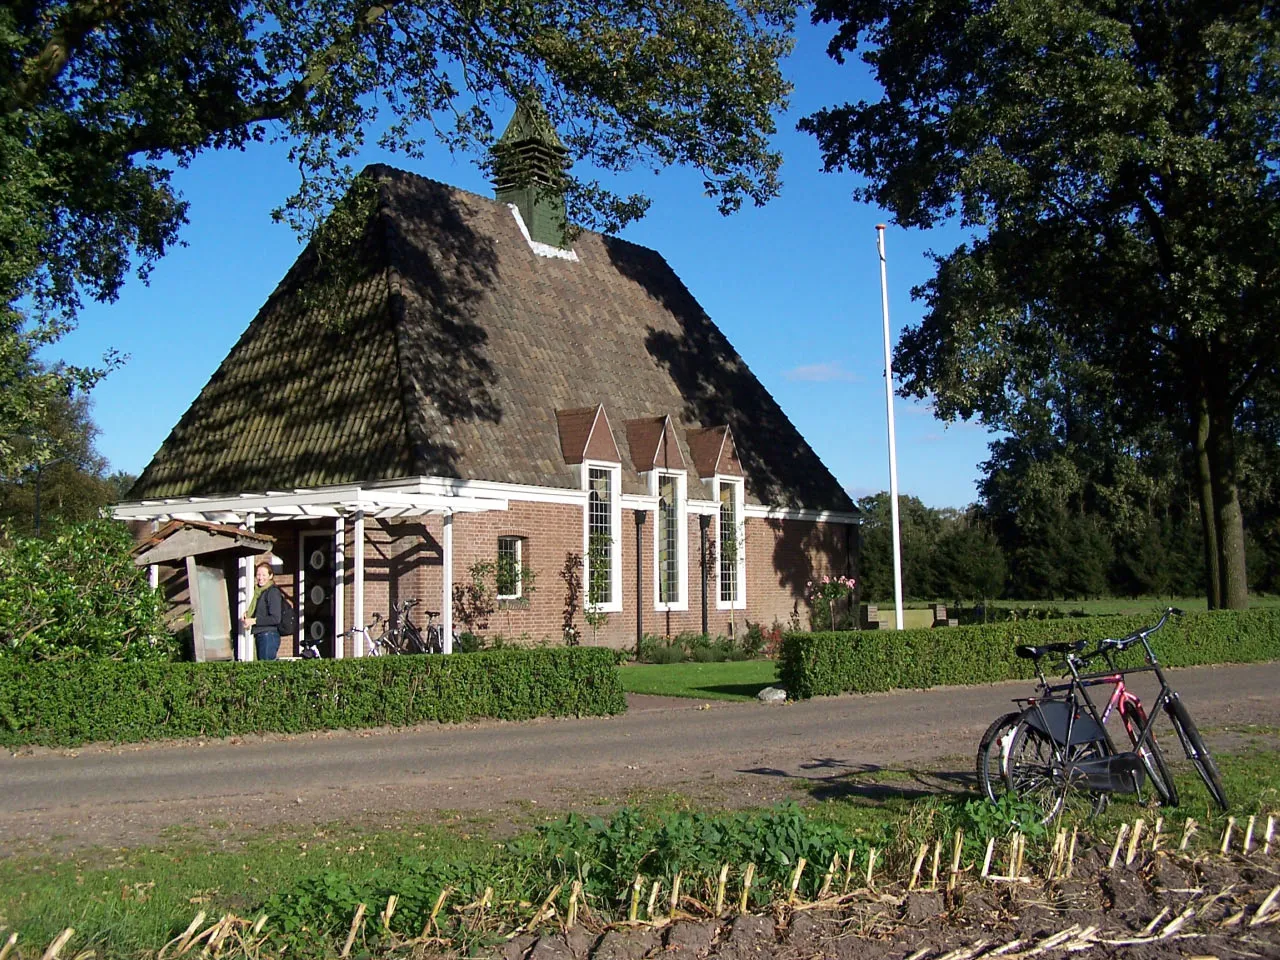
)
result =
(1117, 165)
(100, 100)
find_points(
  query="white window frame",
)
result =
(614, 603)
(739, 512)
(682, 539)
(519, 542)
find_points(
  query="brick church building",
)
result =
(475, 387)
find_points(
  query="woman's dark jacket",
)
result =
(266, 612)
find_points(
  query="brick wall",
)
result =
(404, 559)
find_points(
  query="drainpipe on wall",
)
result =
(640, 517)
(704, 524)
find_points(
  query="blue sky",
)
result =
(794, 285)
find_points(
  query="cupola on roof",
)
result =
(529, 166)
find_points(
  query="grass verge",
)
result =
(728, 680)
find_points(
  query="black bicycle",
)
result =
(1060, 751)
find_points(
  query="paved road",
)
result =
(747, 752)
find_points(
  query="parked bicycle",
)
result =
(398, 634)
(1057, 750)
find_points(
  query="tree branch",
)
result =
(40, 71)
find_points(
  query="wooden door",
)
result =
(315, 592)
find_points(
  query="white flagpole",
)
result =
(893, 449)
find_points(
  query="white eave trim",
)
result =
(337, 501)
(452, 486)
(761, 511)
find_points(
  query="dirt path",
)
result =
(721, 752)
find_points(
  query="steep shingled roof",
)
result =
(450, 356)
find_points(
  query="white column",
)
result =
(339, 587)
(153, 570)
(244, 593)
(446, 599)
(357, 611)
(244, 638)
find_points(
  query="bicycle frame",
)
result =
(1058, 712)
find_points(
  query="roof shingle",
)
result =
(451, 354)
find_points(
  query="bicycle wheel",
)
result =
(1135, 719)
(1034, 773)
(1196, 751)
(993, 752)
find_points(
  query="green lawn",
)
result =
(128, 902)
(731, 680)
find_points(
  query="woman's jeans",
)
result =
(268, 644)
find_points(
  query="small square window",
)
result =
(510, 567)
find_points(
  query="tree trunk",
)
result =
(1204, 489)
(1228, 517)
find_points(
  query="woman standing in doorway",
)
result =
(266, 607)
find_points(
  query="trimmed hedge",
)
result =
(816, 664)
(63, 703)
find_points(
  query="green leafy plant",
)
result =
(981, 820)
(78, 594)
(475, 601)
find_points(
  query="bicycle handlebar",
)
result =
(1137, 636)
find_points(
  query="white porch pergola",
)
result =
(339, 503)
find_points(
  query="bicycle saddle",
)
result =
(1027, 652)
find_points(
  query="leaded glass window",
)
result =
(600, 535)
(510, 561)
(668, 539)
(730, 543)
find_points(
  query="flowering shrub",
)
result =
(831, 600)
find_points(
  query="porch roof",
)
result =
(304, 503)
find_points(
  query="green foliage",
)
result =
(862, 661)
(98, 103)
(605, 855)
(35, 408)
(981, 820)
(946, 554)
(699, 647)
(78, 594)
(475, 601)
(65, 703)
(56, 457)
